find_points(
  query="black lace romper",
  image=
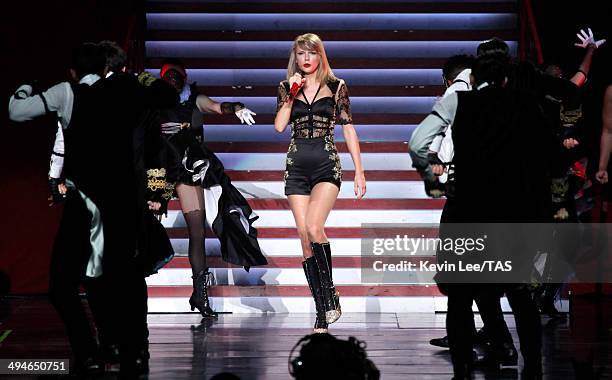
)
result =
(312, 156)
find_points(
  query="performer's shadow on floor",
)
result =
(258, 280)
(266, 281)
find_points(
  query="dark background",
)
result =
(37, 39)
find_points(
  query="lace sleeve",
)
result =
(343, 106)
(281, 96)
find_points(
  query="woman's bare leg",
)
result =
(322, 199)
(299, 208)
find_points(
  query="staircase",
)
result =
(390, 54)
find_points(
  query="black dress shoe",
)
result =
(110, 353)
(479, 338)
(551, 311)
(528, 374)
(89, 366)
(135, 367)
(440, 342)
(462, 371)
(142, 361)
(502, 356)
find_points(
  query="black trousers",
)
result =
(118, 299)
(71, 251)
(124, 280)
(460, 321)
(460, 324)
(487, 301)
(492, 317)
(528, 325)
(102, 308)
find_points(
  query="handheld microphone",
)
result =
(294, 90)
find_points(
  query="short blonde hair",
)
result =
(310, 42)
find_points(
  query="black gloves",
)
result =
(228, 108)
(434, 188)
(54, 188)
(158, 189)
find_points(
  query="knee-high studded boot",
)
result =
(330, 300)
(199, 297)
(328, 256)
(312, 276)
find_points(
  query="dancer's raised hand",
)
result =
(586, 38)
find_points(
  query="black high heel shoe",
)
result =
(199, 298)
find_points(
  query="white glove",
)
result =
(587, 38)
(245, 116)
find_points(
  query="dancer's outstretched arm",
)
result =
(208, 105)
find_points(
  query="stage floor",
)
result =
(256, 346)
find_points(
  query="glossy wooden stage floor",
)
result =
(256, 346)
